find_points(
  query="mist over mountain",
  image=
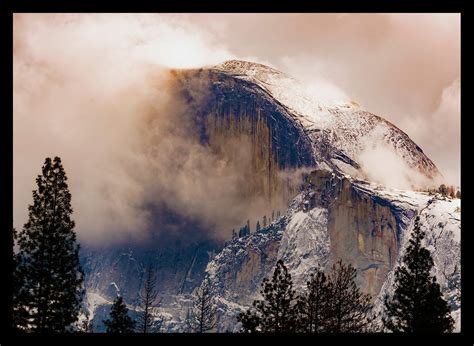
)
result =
(341, 179)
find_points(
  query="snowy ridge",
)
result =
(342, 125)
(287, 91)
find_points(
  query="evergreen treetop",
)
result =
(119, 321)
(48, 276)
(417, 305)
(276, 312)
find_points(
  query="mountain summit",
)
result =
(341, 132)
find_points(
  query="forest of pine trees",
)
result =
(331, 304)
(245, 230)
(48, 285)
(447, 191)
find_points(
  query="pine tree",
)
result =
(251, 321)
(417, 305)
(119, 321)
(314, 305)
(245, 230)
(147, 301)
(48, 276)
(264, 221)
(451, 191)
(257, 227)
(277, 312)
(203, 314)
(443, 190)
(349, 309)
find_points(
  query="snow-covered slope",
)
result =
(340, 131)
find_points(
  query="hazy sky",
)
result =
(80, 80)
(404, 67)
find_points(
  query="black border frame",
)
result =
(8, 8)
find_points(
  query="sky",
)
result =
(80, 80)
(404, 67)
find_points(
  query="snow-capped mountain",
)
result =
(337, 213)
(339, 131)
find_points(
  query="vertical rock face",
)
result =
(330, 220)
(362, 231)
(243, 125)
(243, 271)
(247, 140)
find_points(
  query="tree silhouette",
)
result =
(332, 304)
(146, 322)
(47, 275)
(417, 305)
(277, 312)
(203, 314)
(349, 309)
(314, 304)
(119, 321)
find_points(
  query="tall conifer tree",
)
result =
(277, 312)
(350, 310)
(314, 305)
(119, 321)
(204, 312)
(48, 276)
(148, 298)
(417, 305)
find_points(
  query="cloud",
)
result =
(97, 91)
(82, 86)
(394, 65)
(382, 165)
(442, 130)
